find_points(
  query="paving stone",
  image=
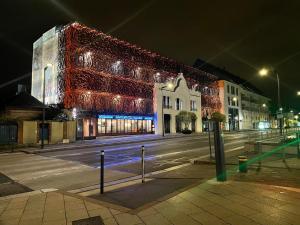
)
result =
(147, 212)
(218, 211)
(104, 213)
(9, 221)
(31, 221)
(207, 219)
(266, 219)
(54, 222)
(238, 220)
(92, 206)
(155, 219)
(110, 221)
(127, 219)
(115, 212)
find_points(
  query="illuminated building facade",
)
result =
(114, 87)
(244, 106)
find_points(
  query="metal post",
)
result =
(219, 152)
(43, 120)
(143, 164)
(298, 147)
(102, 172)
(162, 114)
(209, 141)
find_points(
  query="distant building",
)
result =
(243, 104)
(113, 87)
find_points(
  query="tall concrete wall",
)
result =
(56, 132)
(70, 131)
(45, 66)
(29, 132)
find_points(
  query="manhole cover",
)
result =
(97, 220)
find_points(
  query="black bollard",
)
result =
(102, 172)
(143, 164)
(219, 152)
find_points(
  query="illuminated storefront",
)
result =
(120, 124)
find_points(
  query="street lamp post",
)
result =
(43, 118)
(264, 72)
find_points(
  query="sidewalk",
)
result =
(214, 203)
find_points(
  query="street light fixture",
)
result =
(263, 72)
(264, 105)
(298, 93)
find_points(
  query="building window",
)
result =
(237, 102)
(178, 104)
(166, 102)
(228, 89)
(237, 91)
(228, 100)
(232, 90)
(193, 105)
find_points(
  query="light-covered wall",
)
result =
(45, 64)
(29, 134)
(177, 89)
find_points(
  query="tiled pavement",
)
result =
(236, 203)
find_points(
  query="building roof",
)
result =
(223, 74)
(23, 100)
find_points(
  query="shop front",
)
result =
(121, 124)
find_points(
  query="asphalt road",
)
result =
(78, 168)
(159, 154)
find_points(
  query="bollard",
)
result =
(298, 147)
(243, 167)
(102, 172)
(258, 150)
(143, 164)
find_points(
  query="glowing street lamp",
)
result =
(263, 72)
(170, 85)
(234, 99)
(264, 105)
(298, 93)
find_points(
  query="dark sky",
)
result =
(240, 35)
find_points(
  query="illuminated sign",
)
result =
(122, 117)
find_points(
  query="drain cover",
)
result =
(97, 220)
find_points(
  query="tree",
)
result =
(219, 117)
(186, 118)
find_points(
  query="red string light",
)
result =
(95, 68)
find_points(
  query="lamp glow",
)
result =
(263, 72)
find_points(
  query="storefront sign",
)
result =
(122, 117)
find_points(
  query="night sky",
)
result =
(240, 35)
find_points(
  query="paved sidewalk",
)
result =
(214, 203)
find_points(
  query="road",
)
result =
(78, 168)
